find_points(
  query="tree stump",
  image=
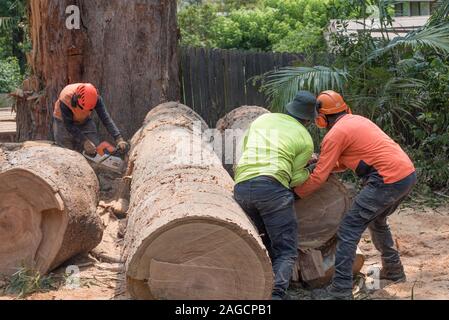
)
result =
(186, 236)
(48, 201)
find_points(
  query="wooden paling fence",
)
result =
(216, 81)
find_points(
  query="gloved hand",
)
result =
(311, 167)
(122, 145)
(314, 159)
(89, 148)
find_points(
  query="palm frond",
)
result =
(398, 94)
(281, 86)
(404, 91)
(434, 37)
(441, 14)
(5, 22)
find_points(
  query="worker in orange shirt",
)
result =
(73, 126)
(354, 142)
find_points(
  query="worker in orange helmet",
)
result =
(354, 142)
(73, 127)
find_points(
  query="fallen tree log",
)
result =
(186, 236)
(48, 200)
(233, 126)
(319, 215)
(317, 268)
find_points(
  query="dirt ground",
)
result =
(422, 236)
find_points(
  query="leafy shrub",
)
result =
(10, 76)
(267, 25)
(402, 84)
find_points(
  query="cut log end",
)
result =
(32, 222)
(240, 118)
(48, 200)
(198, 259)
(317, 269)
(327, 207)
(186, 237)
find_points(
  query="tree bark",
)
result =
(48, 200)
(128, 49)
(186, 236)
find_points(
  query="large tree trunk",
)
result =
(48, 200)
(186, 237)
(128, 49)
(319, 216)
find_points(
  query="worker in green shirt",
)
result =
(276, 151)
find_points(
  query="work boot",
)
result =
(332, 293)
(393, 273)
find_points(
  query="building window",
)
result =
(399, 9)
(425, 8)
(415, 8)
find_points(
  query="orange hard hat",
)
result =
(87, 96)
(331, 103)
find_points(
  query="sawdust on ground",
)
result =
(422, 236)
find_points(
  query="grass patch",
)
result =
(26, 282)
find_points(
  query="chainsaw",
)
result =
(108, 157)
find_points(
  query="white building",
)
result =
(409, 15)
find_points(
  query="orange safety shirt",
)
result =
(356, 143)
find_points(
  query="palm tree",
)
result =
(281, 85)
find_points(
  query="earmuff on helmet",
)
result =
(321, 120)
(85, 97)
(75, 103)
(329, 102)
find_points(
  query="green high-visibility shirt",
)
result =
(276, 145)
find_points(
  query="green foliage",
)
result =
(195, 22)
(307, 40)
(26, 282)
(6, 22)
(435, 37)
(5, 101)
(13, 31)
(265, 25)
(10, 76)
(402, 84)
(282, 85)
